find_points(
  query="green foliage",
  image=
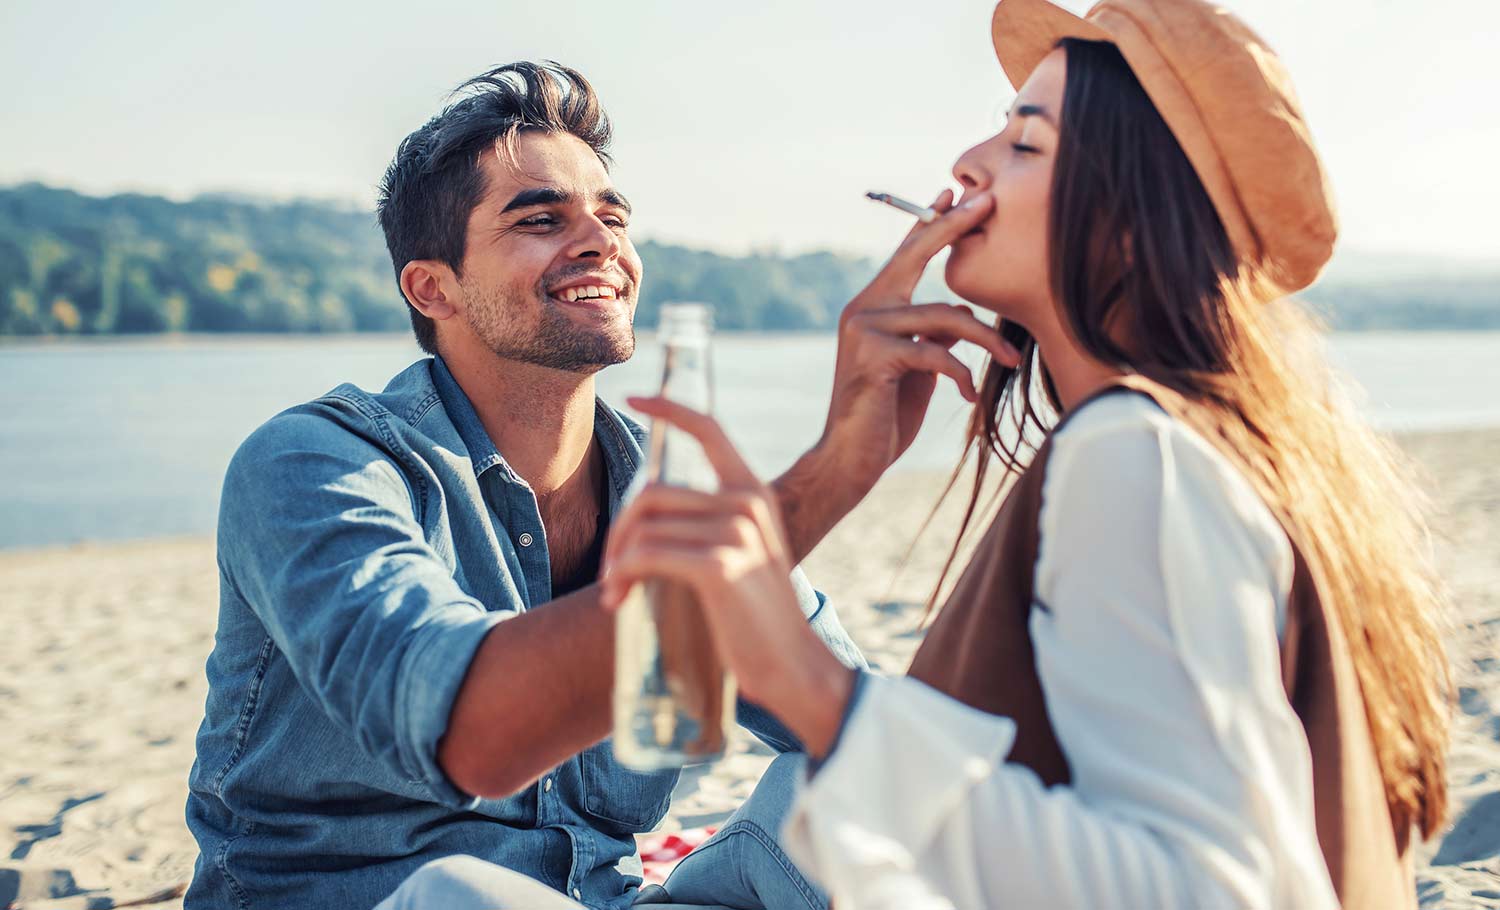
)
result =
(75, 264)
(760, 292)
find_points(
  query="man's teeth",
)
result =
(588, 290)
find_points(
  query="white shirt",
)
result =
(1167, 581)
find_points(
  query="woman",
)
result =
(1194, 662)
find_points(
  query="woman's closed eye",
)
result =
(1023, 149)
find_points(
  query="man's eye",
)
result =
(538, 221)
(616, 222)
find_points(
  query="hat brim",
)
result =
(1026, 31)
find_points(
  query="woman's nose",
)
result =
(969, 169)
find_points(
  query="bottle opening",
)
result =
(684, 321)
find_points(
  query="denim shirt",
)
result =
(366, 544)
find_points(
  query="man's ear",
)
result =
(430, 287)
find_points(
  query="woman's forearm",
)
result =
(812, 697)
(813, 496)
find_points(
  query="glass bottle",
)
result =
(674, 700)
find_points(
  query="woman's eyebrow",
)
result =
(1034, 110)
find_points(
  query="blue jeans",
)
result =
(741, 867)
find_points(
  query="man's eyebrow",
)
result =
(1035, 110)
(551, 195)
(541, 195)
(614, 198)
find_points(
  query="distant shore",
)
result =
(101, 684)
(22, 341)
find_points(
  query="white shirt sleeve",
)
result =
(1160, 585)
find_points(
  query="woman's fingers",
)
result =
(721, 453)
(652, 502)
(713, 531)
(686, 563)
(939, 322)
(904, 270)
(929, 357)
(704, 552)
(941, 205)
(734, 517)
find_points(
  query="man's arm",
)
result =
(318, 533)
(538, 690)
(536, 693)
(319, 536)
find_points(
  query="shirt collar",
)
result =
(620, 437)
(481, 449)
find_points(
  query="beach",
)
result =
(102, 686)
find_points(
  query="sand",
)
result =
(102, 687)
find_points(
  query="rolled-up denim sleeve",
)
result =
(318, 533)
(824, 620)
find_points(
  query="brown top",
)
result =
(979, 651)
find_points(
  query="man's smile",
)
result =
(591, 291)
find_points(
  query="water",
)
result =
(124, 439)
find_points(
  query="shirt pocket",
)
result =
(631, 801)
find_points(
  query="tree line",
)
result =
(72, 264)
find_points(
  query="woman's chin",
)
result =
(972, 287)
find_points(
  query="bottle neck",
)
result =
(677, 458)
(685, 373)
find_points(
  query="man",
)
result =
(410, 661)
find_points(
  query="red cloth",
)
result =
(660, 853)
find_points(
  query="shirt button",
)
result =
(577, 895)
(547, 785)
(526, 540)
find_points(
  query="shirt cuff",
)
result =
(813, 764)
(431, 675)
(907, 760)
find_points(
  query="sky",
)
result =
(738, 126)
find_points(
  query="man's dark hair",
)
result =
(435, 180)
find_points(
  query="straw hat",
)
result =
(1229, 101)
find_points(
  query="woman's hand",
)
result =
(890, 356)
(730, 548)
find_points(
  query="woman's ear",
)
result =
(430, 287)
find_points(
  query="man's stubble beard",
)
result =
(555, 341)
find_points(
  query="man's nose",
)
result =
(595, 239)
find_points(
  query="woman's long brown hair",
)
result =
(1147, 281)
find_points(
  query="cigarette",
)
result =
(924, 214)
